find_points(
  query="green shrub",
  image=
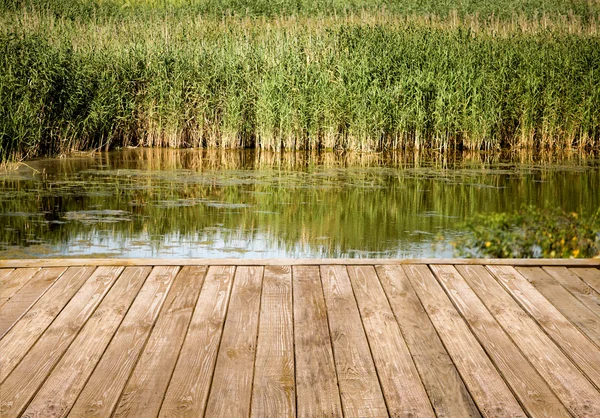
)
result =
(531, 233)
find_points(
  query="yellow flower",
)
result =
(575, 253)
(487, 244)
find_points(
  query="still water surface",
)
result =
(246, 204)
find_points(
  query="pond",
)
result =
(249, 204)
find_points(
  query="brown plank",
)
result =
(530, 388)
(488, 389)
(567, 382)
(60, 390)
(188, 390)
(589, 275)
(580, 289)
(402, 387)
(231, 388)
(446, 390)
(101, 393)
(11, 280)
(274, 386)
(17, 342)
(572, 341)
(148, 383)
(564, 301)
(316, 382)
(26, 297)
(28, 376)
(359, 386)
(290, 261)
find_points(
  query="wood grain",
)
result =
(68, 262)
(11, 280)
(190, 384)
(27, 296)
(148, 383)
(101, 393)
(359, 386)
(488, 389)
(274, 386)
(573, 342)
(564, 301)
(402, 387)
(316, 381)
(580, 289)
(530, 388)
(589, 275)
(60, 390)
(17, 342)
(231, 388)
(446, 390)
(22, 384)
(567, 382)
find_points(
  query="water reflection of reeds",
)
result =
(330, 204)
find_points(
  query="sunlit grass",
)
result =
(82, 75)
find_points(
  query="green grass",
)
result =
(82, 75)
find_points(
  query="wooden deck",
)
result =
(308, 338)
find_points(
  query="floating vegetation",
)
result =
(263, 204)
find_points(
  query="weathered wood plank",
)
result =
(231, 388)
(148, 383)
(359, 386)
(27, 296)
(11, 280)
(188, 390)
(589, 275)
(446, 390)
(60, 390)
(488, 389)
(101, 393)
(316, 381)
(567, 382)
(17, 342)
(274, 387)
(580, 289)
(564, 301)
(402, 387)
(28, 376)
(573, 342)
(68, 262)
(530, 388)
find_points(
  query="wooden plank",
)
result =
(488, 389)
(231, 388)
(60, 390)
(101, 393)
(11, 280)
(446, 390)
(572, 341)
(316, 381)
(402, 387)
(188, 391)
(567, 382)
(148, 383)
(26, 297)
(580, 289)
(589, 275)
(17, 342)
(564, 301)
(51, 262)
(532, 391)
(28, 376)
(274, 386)
(359, 386)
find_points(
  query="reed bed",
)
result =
(81, 75)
